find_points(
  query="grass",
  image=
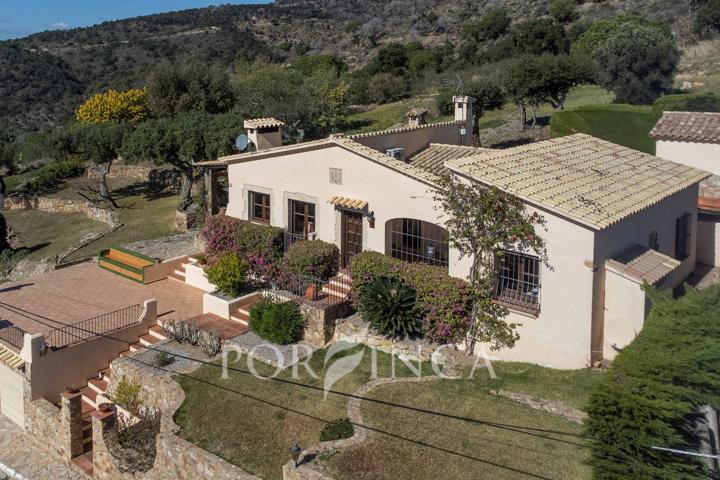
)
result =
(48, 234)
(256, 433)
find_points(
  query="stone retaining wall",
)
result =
(62, 205)
(176, 457)
(320, 323)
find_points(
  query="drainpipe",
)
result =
(597, 329)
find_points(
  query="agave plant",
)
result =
(389, 306)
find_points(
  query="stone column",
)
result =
(71, 423)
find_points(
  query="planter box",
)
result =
(223, 307)
(195, 277)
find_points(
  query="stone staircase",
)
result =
(179, 273)
(241, 311)
(339, 286)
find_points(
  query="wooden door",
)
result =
(352, 232)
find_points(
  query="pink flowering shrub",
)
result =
(259, 244)
(445, 301)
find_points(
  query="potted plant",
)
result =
(311, 292)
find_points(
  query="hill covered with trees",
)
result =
(45, 76)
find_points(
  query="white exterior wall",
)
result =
(415, 140)
(306, 176)
(11, 395)
(708, 240)
(705, 156)
(625, 309)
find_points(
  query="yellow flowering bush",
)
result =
(114, 106)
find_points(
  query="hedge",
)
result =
(280, 323)
(256, 243)
(445, 301)
(313, 258)
(653, 388)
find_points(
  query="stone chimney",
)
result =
(464, 112)
(416, 117)
(264, 133)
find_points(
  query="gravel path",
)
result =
(28, 462)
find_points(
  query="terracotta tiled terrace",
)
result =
(77, 293)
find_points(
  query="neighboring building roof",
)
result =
(263, 123)
(643, 265)
(433, 158)
(391, 131)
(699, 127)
(348, 202)
(586, 179)
(417, 112)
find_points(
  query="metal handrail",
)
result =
(289, 238)
(325, 293)
(12, 335)
(94, 327)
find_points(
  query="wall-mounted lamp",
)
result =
(371, 218)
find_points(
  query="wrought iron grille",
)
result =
(518, 280)
(416, 241)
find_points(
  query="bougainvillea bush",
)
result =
(313, 258)
(259, 244)
(444, 301)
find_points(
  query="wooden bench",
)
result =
(126, 263)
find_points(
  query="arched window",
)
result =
(416, 241)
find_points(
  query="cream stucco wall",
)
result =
(708, 244)
(625, 308)
(11, 395)
(415, 140)
(705, 156)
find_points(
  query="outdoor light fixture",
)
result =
(295, 452)
(43, 349)
(371, 218)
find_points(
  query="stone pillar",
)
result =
(71, 423)
(103, 465)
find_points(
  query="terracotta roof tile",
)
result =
(688, 126)
(433, 158)
(581, 177)
(643, 265)
(263, 122)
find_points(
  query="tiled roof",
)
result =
(688, 127)
(263, 123)
(10, 358)
(586, 179)
(348, 202)
(643, 265)
(433, 158)
(417, 112)
(404, 129)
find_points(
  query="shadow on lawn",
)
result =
(144, 189)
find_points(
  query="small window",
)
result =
(518, 282)
(653, 241)
(682, 237)
(259, 207)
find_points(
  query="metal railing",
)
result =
(311, 290)
(94, 327)
(13, 336)
(289, 238)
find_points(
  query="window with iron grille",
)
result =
(518, 280)
(259, 207)
(682, 237)
(416, 241)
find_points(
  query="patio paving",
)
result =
(226, 329)
(73, 294)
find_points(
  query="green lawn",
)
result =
(47, 234)
(256, 436)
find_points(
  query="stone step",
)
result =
(104, 374)
(158, 332)
(125, 353)
(85, 463)
(175, 276)
(148, 340)
(136, 347)
(336, 290)
(180, 273)
(89, 395)
(240, 317)
(100, 386)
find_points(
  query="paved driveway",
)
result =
(83, 291)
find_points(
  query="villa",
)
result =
(616, 218)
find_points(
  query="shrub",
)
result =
(688, 102)
(127, 395)
(389, 306)
(131, 441)
(163, 359)
(50, 175)
(651, 393)
(228, 273)
(280, 323)
(337, 430)
(210, 342)
(225, 234)
(183, 332)
(444, 301)
(313, 258)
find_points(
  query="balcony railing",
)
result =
(13, 336)
(94, 327)
(311, 290)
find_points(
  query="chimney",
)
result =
(264, 133)
(416, 117)
(464, 112)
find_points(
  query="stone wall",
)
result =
(62, 205)
(137, 172)
(176, 457)
(355, 330)
(320, 322)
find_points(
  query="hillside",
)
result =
(43, 77)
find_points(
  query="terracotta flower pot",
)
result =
(105, 407)
(311, 292)
(72, 390)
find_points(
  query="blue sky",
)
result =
(19, 18)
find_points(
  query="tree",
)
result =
(482, 223)
(181, 140)
(707, 18)
(637, 64)
(491, 26)
(488, 95)
(558, 75)
(393, 59)
(114, 106)
(563, 10)
(521, 82)
(599, 32)
(540, 36)
(197, 87)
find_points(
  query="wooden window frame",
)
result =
(265, 207)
